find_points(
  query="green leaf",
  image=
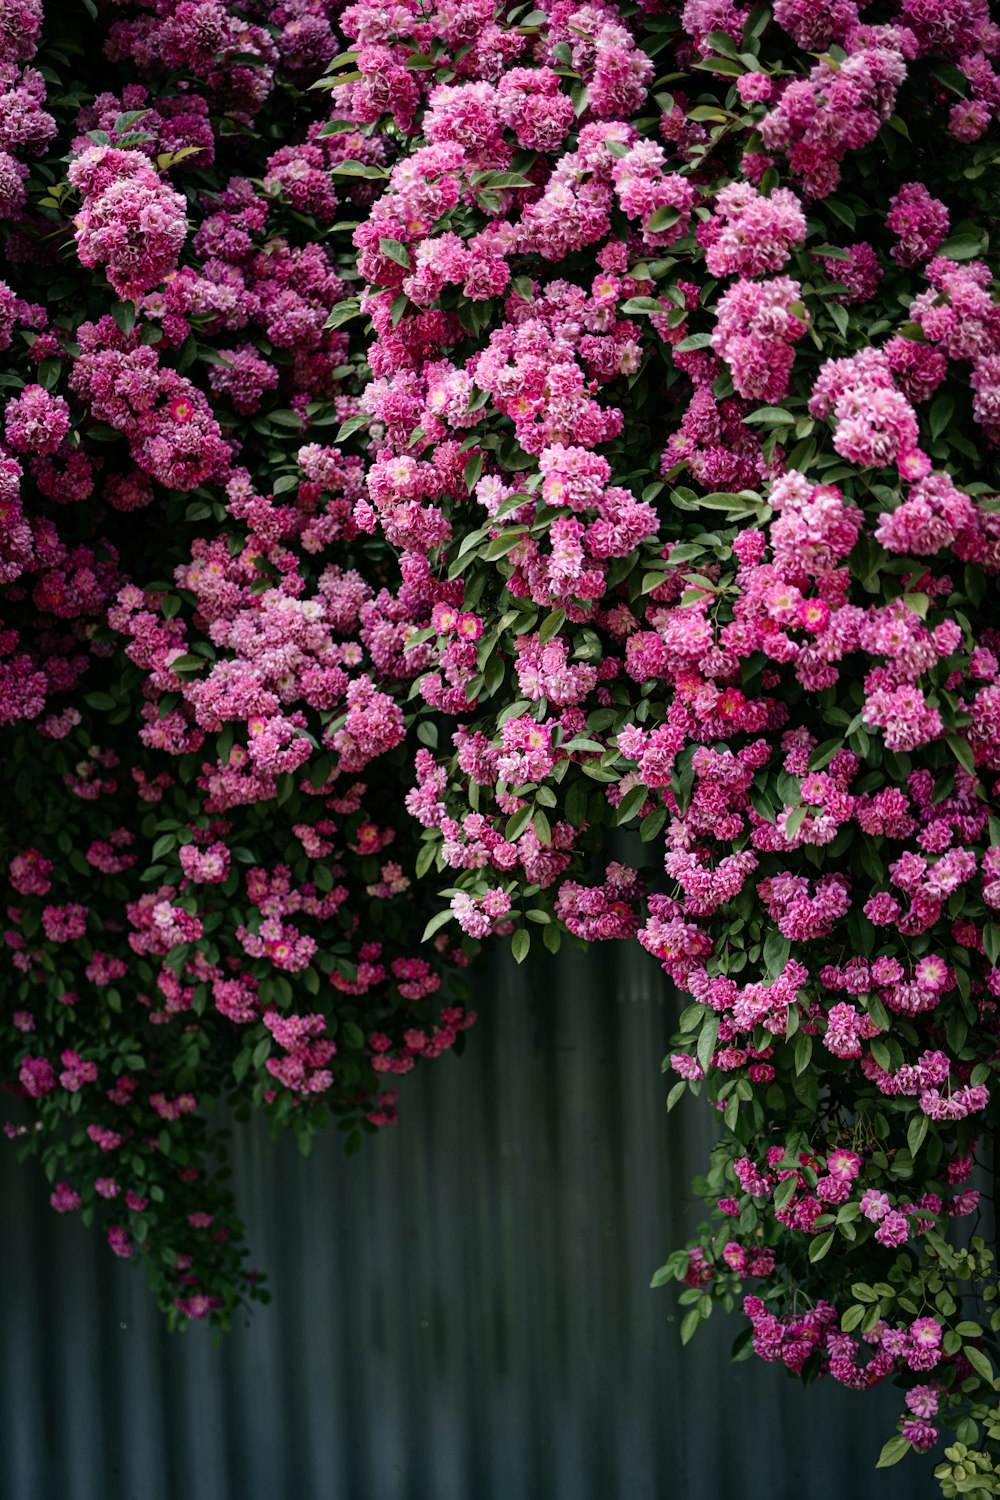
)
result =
(824, 753)
(631, 803)
(643, 305)
(785, 1191)
(882, 1056)
(665, 217)
(351, 168)
(794, 821)
(519, 944)
(351, 425)
(723, 65)
(517, 823)
(840, 317)
(395, 250)
(652, 824)
(497, 180)
(769, 416)
(689, 1325)
(940, 415)
(979, 1362)
(746, 502)
(473, 469)
(916, 1132)
(436, 923)
(124, 315)
(896, 1448)
(722, 42)
(821, 1245)
(551, 625)
(707, 113)
(706, 1041)
(962, 751)
(951, 77)
(343, 312)
(776, 951)
(991, 942)
(694, 341)
(803, 1051)
(103, 701)
(840, 211)
(963, 247)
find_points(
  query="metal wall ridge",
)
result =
(461, 1311)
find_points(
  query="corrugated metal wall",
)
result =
(461, 1311)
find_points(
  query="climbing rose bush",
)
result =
(209, 890)
(654, 361)
(684, 350)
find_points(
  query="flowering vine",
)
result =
(585, 418)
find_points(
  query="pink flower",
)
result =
(844, 1165)
(65, 1199)
(874, 1205)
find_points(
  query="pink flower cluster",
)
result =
(131, 221)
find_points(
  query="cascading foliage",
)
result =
(653, 357)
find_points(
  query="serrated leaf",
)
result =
(396, 251)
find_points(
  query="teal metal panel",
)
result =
(461, 1311)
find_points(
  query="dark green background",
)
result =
(461, 1311)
